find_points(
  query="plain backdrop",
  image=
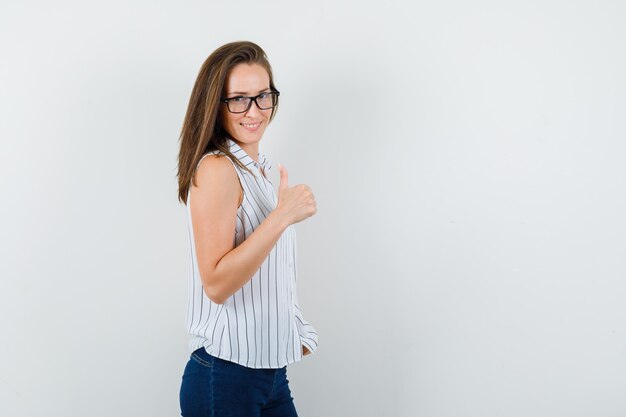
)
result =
(468, 162)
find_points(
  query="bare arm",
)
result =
(224, 269)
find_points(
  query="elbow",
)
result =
(212, 291)
(213, 295)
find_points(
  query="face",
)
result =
(246, 80)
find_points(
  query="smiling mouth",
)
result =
(251, 126)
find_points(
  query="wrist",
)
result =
(280, 218)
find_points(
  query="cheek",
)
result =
(231, 122)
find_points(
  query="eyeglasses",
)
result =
(241, 104)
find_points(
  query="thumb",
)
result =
(283, 178)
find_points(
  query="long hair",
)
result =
(202, 129)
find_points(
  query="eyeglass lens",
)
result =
(265, 101)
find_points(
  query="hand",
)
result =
(305, 351)
(297, 202)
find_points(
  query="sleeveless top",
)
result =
(261, 325)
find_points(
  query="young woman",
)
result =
(243, 315)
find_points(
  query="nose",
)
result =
(254, 110)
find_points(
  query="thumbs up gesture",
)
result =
(296, 203)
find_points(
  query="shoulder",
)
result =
(215, 177)
(214, 166)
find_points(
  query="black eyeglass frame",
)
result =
(226, 100)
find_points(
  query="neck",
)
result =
(252, 149)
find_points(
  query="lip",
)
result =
(251, 130)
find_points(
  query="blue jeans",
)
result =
(214, 387)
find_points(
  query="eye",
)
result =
(263, 95)
(238, 99)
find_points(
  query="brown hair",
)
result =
(202, 129)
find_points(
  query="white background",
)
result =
(468, 161)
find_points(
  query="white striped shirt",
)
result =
(261, 325)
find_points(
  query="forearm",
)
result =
(236, 268)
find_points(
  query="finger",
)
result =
(284, 179)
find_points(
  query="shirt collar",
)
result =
(245, 159)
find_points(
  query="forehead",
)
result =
(247, 78)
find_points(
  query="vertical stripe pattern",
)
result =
(261, 325)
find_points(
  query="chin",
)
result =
(248, 138)
(253, 136)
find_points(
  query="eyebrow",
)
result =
(243, 92)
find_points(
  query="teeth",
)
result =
(247, 125)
